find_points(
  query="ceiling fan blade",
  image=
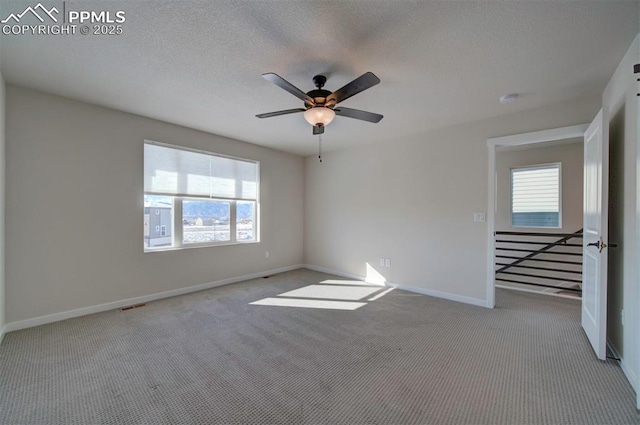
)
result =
(358, 114)
(363, 82)
(284, 84)
(277, 113)
(318, 129)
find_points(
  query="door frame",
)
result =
(637, 242)
(555, 134)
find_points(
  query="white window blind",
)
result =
(180, 172)
(535, 196)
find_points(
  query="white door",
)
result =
(594, 260)
(638, 230)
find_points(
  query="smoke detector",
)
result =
(508, 98)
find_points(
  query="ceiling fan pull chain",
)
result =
(320, 147)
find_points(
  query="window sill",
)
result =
(537, 227)
(199, 245)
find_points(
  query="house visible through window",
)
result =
(536, 196)
(196, 198)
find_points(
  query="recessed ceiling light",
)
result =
(508, 98)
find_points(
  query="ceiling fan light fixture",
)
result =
(319, 115)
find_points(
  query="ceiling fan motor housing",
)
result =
(319, 96)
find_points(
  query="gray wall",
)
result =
(412, 201)
(620, 106)
(2, 206)
(571, 157)
(615, 270)
(75, 208)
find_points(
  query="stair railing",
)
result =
(557, 260)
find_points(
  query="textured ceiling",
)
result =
(199, 63)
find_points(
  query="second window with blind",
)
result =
(195, 198)
(536, 196)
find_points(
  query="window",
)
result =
(199, 198)
(205, 221)
(536, 196)
(245, 221)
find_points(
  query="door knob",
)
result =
(600, 245)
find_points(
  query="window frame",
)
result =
(557, 165)
(177, 229)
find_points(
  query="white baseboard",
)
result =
(409, 288)
(631, 377)
(56, 317)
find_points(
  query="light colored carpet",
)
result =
(213, 358)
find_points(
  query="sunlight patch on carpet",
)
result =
(323, 304)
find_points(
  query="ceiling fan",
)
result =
(320, 106)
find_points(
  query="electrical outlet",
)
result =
(622, 317)
(266, 254)
(382, 262)
(387, 262)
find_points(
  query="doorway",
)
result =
(519, 141)
(539, 215)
